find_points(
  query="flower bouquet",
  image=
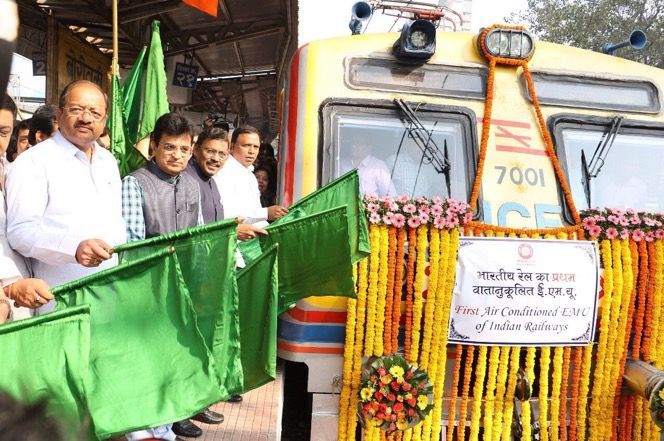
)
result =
(394, 395)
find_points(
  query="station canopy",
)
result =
(240, 53)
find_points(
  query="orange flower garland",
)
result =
(576, 378)
(490, 397)
(545, 361)
(465, 391)
(478, 393)
(349, 347)
(453, 395)
(390, 302)
(562, 419)
(432, 291)
(398, 288)
(584, 389)
(410, 278)
(418, 288)
(372, 293)
(556, 385)
(501, 387)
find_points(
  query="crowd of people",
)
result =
(67, 207)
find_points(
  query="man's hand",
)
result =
(31, 293)
(249, 231)
(92, 252)
(276, 211)
(4, 311)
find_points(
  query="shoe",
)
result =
(187, 428)
(234, 399)
(208, 416)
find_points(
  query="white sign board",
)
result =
(524, 292)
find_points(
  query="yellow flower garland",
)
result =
(429, 307)
(545, 361)
(349, 348)
(602, 352)
(637, 428)
(501, 387)
(382, 290)
(526, 413)
(441, 330)
(489, 401)
(556, 385)
(584, 391)
(515, 355)
(453, 396)
(657, 343)
(360, 318)
(418, 287)
(478, 392)
(372, 294)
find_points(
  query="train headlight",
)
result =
(417, 42)
(501, 42)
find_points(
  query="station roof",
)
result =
(240, 53)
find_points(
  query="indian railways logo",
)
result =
(525, 251)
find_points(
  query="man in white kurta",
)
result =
(64, 195)
(238, 187)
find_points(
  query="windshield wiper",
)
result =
(591, 170)
(422, 137)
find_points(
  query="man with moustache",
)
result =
(238, 186)
(210, 155)
(64, 195)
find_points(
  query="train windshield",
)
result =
(395, 158)
(619, 168)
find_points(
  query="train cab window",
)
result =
(612, 162)
(430, 154)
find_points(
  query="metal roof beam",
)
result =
(233, 39)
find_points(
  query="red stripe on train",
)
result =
(289, 174)
(331, 317)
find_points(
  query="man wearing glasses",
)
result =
(64, 208)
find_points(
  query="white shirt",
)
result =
(374, 176)
(12, 266)
(57, 198)
(239, 192)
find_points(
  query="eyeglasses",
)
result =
(172, 148)
(78, 111)
(209, 153)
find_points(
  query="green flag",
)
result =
(115, 124)
(149, 364)
(132, 94)
(342, 191)
(155, 98)
(207, 258)
(257, 287)
(314, 256)
(46, 357)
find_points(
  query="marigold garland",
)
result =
(642, 285)
(602, 348)
(441, 329)
(584, 389)
(398, 288)
(564, 381)
(658, 309)
(465, 391)
(349, 348)
(454, 393)
(372, 293)
(515, 356)
(576, 379)
(526, 411)
(637, 431)
(545, 361)
(478, 393)
(381, 299)
(432, 291)
(650, 297)
(410, 278)
(556, 385)
(360, 320)
(418, 288)
(490, 394)
(500, 400)
(390, 303)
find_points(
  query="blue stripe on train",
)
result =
(297, 332)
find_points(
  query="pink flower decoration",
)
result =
(409, 208)
(630, 211)
(623, 221)
(387, 219)
(649, 222)
(594, 231)
(617, 211)
(624, 234)
(424, 209)
(424, 218)
(403, 199)
(611, 233)
(650, 236)
(467, 217)
(634, 220)
(374, 218)
(659, 234)
(436, 210)
(613, 218)
(437, 200)
(452, 221)
(414, 222)
(422, 200)
(638, 235)
(588, 222)
(439, 222)
(399, 220)
(372, 207)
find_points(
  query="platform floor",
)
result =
(256, 418)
